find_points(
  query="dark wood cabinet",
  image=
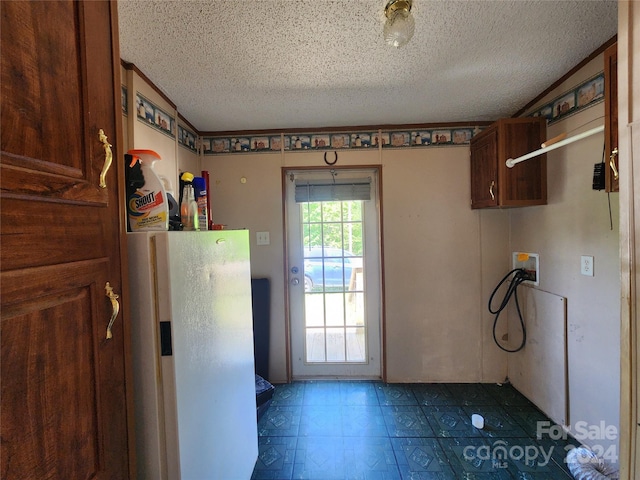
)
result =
(65, 404)
(493, 184)
(612, 183)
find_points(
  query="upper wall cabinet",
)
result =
(493, 184)
(612, 183)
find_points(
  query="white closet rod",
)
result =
(512, 161)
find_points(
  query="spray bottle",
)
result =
(147, 206)
(188, 206)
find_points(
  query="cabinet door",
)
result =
(64, 413)
(484, 175)
(612, 183)
(526, 183)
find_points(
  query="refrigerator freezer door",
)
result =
(209, 288)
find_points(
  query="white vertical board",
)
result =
(539, 370)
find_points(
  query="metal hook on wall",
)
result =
(334, 161)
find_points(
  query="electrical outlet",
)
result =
(586, 265)
(262, 238)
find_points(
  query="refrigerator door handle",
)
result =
(115, 305)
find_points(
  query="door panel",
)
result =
(334, 282)
(58, 364)
(62, 387)
(484, 175)
(64, 406)
(44, 234)
(612, 182)
(52, 109)
(40, 84)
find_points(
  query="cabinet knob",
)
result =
(493, 184)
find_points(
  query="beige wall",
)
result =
(442, 259)
(574, 223)
(433, 277)
(174, 157)
(433, 251)
(142, 136)
(188, 160)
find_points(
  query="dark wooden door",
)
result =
(484, 174)
(64, 407)
(612, 182)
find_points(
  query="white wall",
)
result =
(576, 222)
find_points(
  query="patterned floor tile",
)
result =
(358, 393)
(322, 392)
(320, 421)
(470, 394)
(363, 421)
(497, 422)
(432, 394)
(275, 458)
(319, 458)
(532, 420)
(333, 430)
(422, 459)
(447, 421)
(288, 394)
(406, 421)
(395, 394)
(506, 395)
(280, 422)
(525, 458)
(370, 458)
(470, 458)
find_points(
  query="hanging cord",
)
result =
(520, 275)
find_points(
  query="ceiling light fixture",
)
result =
(398, 29)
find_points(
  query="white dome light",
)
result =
(399, 27)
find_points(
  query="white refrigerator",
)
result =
(192, 353)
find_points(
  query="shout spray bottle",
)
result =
(147, 206)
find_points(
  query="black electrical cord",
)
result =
(519, 275)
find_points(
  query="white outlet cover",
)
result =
(586, 265)
(262, 238)
(531, 261)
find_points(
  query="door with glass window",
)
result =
(334, 272)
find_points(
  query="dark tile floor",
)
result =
(352, 430)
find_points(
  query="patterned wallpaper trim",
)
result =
(153, 116)
(585, 95)
(187, 139)
(358, 140)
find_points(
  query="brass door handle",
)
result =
(115, 307)
(612, 163)
(108, 158)
(493, 184)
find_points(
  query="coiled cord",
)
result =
(519, 275)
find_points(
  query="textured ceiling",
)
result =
(278, 64)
